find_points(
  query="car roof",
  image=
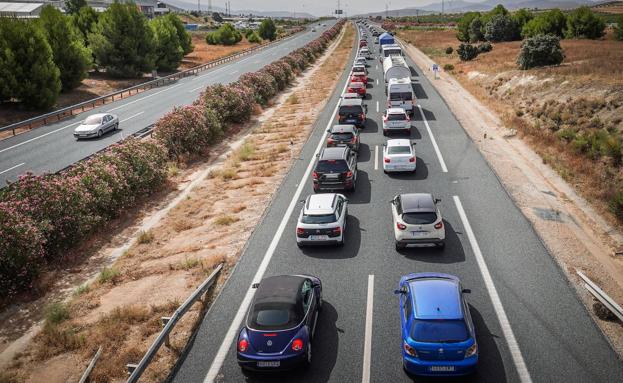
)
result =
(350, 94)
(98, 115)
(417, 203)
(398, 142)
(280, 288)
(436, 297)
(396, 110)
(318, 204)
(351, 101)
(343, 128)
(333, 153)
(356, 84)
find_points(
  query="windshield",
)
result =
(342, 136)
(325, 218)
(399, 150)
(336, 166)
(419, 218)
(439, 331)
(396, 117)
(93, 120)
(393, 52)
(274, 316)
(350, 109)
(358, 70)
(397, 96)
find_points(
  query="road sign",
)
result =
(435, 69)
(339, 11)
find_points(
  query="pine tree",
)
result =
(169, 52)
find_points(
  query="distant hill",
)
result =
(192, 6)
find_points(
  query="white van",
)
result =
(400, 94)
(395, 67)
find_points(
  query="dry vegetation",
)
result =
(204, 52)
(120, 310)
(571, 114)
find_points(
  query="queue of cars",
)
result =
(438, 335)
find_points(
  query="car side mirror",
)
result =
(302, 201)
(328, 130)
(399, 292)
(437, 200)
(466, 291)
(317, 155)
(315, 284)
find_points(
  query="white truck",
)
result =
(400, 94)
(395, 67)
(390, 50)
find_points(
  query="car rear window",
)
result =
(399, 150)
(345, 110)
(439, 331)
(274, 316)
(342, 136)
(397, 96)
(326, 166)
(92, 120)
(358, 69)
(396, 117)
(419, 218)
(325, 218)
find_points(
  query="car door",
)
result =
(309, 304)
(405, 309)
(339, 209)
(353, 164)
(107, 122)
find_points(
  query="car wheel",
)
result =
(299, 245)
(99, 133)
(441, 245)
(308, 355)
(400, 246)
(385, 133)
(116, 126)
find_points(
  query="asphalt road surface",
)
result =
(530, 324)
(53, 147)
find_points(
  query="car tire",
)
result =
(115, 127)
(99, 133)
(441, 245)
(385, 133)
(299, 245)
(400, 246)
(308, 356)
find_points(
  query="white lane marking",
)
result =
(196, 89)
(377, 81)
(221, 354)
(146, 97)
(9, 169)
(377, 66)
(513, 346)
(376, 157)
(234, 72)
(38, 137)
(131, 117)
(377, 106)
(432, 138)
(367, 344)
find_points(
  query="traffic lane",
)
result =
(551, 325)
(203, 347)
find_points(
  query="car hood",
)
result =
(86, 128)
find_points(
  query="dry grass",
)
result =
(145, 237)
(204, 52)
(225, 220)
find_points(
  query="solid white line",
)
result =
(38, 137)
(9, 169)
(377, 106)
(367, 344)
(432, 138)
(376, 157)
(234, 72)
(146, 97)
(131, 117)
(221, 354)
(377, 81)
(196, 89)
(513, 346)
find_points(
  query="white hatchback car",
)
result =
(361, 61)
(322, 220)
(365, 52)
(396, 119)
(417, 220)
(399, 156)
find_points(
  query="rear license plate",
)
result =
(269, 363)
(441, 368)
(332, 176)
(351, 120)
(318, 237)
(419, 233)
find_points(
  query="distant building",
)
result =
(20, 10)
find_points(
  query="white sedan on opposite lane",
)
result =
(399, 156)
(96, 125)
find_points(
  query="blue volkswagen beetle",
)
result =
(280, 325)
(438, 336)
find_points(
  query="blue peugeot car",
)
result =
(438, 336)
(280, 324)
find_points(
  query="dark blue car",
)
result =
(438, 336)
(280, 325)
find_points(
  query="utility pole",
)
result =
(199, 6)
(209, 7)
(442, 7)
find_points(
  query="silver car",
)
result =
(322, 220)
(417, 220)
(96, 125)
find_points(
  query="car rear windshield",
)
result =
(419, 218)
(326, 166)
(399, 150)
(345, 110)
(439, 331)
(325, 218)
(342, 136)
(274, 316)
(400, 96)
(396, 117)
(93, 120)
(359, 69)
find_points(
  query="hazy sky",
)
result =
(318, 7)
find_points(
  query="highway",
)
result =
(530, 325)
(52, 147)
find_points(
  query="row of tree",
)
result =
(40, 58)
(500, 25)
(228, 35)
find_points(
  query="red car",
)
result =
(359, 77)
(363, 43)
(357, 87)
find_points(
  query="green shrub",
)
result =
(547, 23)
(448, 67)
(183, 35)
(540, 50)
(616, 205)
(485, 47)
(501, 28)
(475, 30)
(463, 26)
(108, 274)
(467, 52)
(449, 50)
(583, 23)
(56, 313)
(225, 35)
(169, 51)
(618, 31)
(254, 38)
(268, 29)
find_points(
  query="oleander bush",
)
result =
(232, 103)
(264, 86)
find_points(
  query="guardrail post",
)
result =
(164, 321)
(131, 367)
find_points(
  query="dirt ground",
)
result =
(162, 257)
(575, 233)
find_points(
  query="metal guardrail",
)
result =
(87, 372)
(59, 114)
(601, 296)
(136, 370)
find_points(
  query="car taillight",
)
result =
(243, 345)
(401, 226)
(412, 159)
(315, 175)
(349, 174)
(337, 230)
(407, 118)
(297, 345)
(389, 104)
(354, 139)
(329, 140)
(439, 225)
(362, 116)
(387, 160)
(300, 230)
(409, 350)
(472, 350)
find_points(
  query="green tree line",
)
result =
(41, 58)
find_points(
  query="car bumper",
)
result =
(318, 242)
(416, 366)
(420, 241)
(410, 167)
(285, 362)
(333, 186)
(85, 135)
(388, 128)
